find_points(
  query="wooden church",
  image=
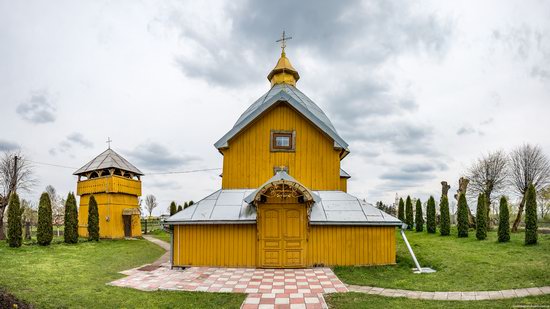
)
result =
(283, 200)
(116, 186)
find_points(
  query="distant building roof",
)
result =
(333, 208)
(294, 97)
(108, 159)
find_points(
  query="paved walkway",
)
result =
(475, 295)
(279, 288)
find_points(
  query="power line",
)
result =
(146, 173)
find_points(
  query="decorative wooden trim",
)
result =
(274, 148)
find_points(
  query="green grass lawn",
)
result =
(160, 234)
(462, 264)
(361, 300)
(62, 276)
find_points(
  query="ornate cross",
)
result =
(109, 140)
(283, 40)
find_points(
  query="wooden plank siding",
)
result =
(248, 162)
(235, 245)
(351, 245)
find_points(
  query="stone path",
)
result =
(278, 288)
(475, 295)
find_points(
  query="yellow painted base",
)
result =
(237, 245)
(110, 208)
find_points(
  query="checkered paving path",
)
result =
(266, 288)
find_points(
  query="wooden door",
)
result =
(282, 231)
(127, 225)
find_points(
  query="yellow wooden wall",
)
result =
(228, 245)
(248, 162)
(236, 245)
(344, 184)
(111, 205)
(351, 245)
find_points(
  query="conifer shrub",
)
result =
(15, 228)
(481, 218)
(531, 216)
(445, 218)
(173, 208)
(191, 202)
(430, 216)
(93, 220)
(462, 216)
(44, 233)
(185, 205)
(180, 208)
(70, 234)
(504, 221)
(401, 210)
(409, 215)
(419, 219)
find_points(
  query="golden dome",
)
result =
(283, 72)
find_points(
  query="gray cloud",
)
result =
(38, 108)
(368, 32)
(8, 146)
(157, 157)
(73, 139)
(410, 175)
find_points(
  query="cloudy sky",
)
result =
(418, 88)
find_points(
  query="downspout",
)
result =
(171, 247)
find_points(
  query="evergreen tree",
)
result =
(173, 208)
(419, 219)
(44, 234)
(531, 216)
(401, 210)
(180, 208)
(462, 216)
(185, 205)
(15, 228)
(70, 234)
(445, 218)
(409, 216)
(191, 202)
(481, 218)
(430, 216)
(504, 221)
(93, 220)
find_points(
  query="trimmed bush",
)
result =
(93, 220)
(173, 208)
(15, 228)
(185, 205)
(430, 216)
(180, 208)
(419, 219)
(44, 233)
(445, 218)
(70, 235)
(409, 215)
(503, 221)
(401, 210)
(462, 216)
(481, 218)
(531, 216)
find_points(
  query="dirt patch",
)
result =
(9, 301)
(149, 268)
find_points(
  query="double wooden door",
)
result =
(282, 235)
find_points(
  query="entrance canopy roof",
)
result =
(284, 179)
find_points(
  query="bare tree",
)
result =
(150, 203)
(528, 164)
(488, 175)
(58, 207)
(15, 174)
(544, 202)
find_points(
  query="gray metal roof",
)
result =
(298, 100)
(334, 208)
(344, 174)
(108, 159)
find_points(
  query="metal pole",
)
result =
(410, 250)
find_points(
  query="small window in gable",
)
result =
(282, 140)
